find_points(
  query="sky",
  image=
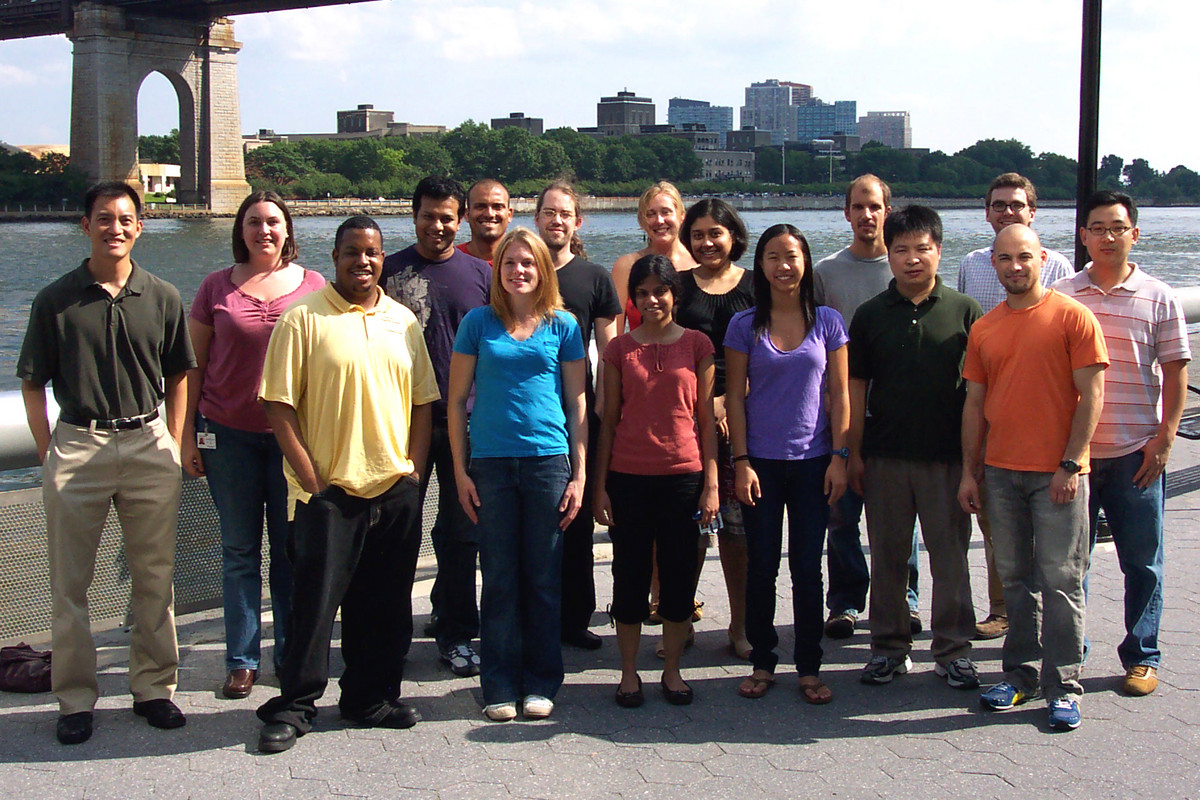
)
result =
(965, 70)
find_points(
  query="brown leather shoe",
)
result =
(1140, 680)
(238, 683)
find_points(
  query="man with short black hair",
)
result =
(489, 212)
(1011, 199)
(587, 292)
(906, 400)
(112, 341)
(1035, 385)
(347, 386)
(1145, 390)
(440, 283)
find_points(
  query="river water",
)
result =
(184, 251)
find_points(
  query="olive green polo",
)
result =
(105, 356)
(912, 357)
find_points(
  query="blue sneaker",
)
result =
(1064, 714)
(1004, 696)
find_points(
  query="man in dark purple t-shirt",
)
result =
(440, 284)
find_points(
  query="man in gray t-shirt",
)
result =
(843, 281)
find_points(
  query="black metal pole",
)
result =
(1089, 119)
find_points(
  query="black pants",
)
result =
(360, 555)
(456, 548)
(649, 510)
(578, 579)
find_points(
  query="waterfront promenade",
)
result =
(916, 738)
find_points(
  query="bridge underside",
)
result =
(20, 19)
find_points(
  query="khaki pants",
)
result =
(995, 585)
(138, 472)
(897, 492)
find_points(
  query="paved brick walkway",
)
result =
(916, 738)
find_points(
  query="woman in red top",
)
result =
(657, 460)
(226, 435)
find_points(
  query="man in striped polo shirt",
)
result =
(1145, 389)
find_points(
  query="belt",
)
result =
(122, 424)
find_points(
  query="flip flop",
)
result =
(817, 694)
(758, 687)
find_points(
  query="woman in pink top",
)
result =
(226, 435)
(657, 460)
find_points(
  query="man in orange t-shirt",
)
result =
(1035, 372)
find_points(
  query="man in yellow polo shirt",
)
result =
(347, 386)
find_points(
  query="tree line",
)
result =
(613, 166)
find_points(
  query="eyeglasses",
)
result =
(549, 214)
(1116, 230)
(999, 206)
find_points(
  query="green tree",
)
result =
(891, 165)
(618, 160)
(1000, 155)
(280, 163)
(159, 149)
(1109, 174)
(584, 153)
(427, 156)
(471, 146)
(1139, 175)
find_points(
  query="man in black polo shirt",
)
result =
(113, 341)
(906, 399)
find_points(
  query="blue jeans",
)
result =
(849, 577)
(1041, 550)
(520, 555)
(245, 476)
(798, 486)
(1136, 518)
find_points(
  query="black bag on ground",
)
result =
(23, 669)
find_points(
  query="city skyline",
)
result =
(484, 61)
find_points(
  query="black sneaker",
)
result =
(462, 660)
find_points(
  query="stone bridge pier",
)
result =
(114, 52)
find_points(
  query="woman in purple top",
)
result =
(789, 448)
(226, 435)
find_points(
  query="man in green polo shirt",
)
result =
(111, 340)
(906, 399)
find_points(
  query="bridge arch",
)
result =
(114, 53)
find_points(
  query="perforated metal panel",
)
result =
(25, 584)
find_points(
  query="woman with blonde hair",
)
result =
(660, 214)
(521, 478)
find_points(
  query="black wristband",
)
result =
(741, 458)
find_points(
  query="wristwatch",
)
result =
(844, 452)
(1068, 466)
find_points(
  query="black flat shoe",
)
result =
(74, 728)
(276, 737)
(583, 639)
(677, 697)
(632, 699)
(160, 713)
(390, 714)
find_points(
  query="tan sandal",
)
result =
(815, 692)
(754, 687)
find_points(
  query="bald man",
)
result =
(1035, 385)
(488, 213)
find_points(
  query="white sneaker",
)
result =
(537, 707)
(501, 712)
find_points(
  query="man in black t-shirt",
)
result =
(588, 293)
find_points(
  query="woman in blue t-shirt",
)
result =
(522, 481)
(789, 449)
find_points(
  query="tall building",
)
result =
(892, 128)
(718, 119)
(770, 106)
(819, 120)
(518, 120)
(625, 113)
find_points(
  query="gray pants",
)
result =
(898, 491)
(1041, 552)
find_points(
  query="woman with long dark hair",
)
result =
(782, 357)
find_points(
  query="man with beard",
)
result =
(844, 281)
(587, 291)
(1035, 386)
